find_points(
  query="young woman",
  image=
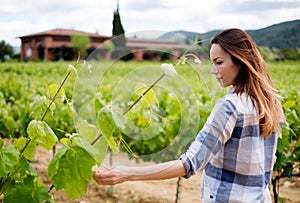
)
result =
(237, 145)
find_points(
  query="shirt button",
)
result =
(211, 197)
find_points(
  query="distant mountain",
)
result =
(282, 35)
(182, 35)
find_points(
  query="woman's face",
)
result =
(223, 67)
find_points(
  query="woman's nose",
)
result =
(214, 69)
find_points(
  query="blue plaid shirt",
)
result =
(237, 162)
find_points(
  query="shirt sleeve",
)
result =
(212, 137)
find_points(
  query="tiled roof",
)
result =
(64, 32)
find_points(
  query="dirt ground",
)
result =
(146, 191)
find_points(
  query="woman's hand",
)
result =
(112, 176)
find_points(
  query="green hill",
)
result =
(282, 35)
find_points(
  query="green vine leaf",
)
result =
(81, 142)
(26, 168)
(41, 133)
(71, 169)
(9, 159)
(107, 126)
(65, 141)
(89, 133)
(101, 146)
(39, 106)
(105, 121)
(149, 98)
(52, 89)
(54, 164)
(86, 130)
(29, 189)
(29, 151)
(3, 113)
(99, 101)
(120, 119)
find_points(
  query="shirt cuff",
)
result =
(187, 165)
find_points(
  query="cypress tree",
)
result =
(117, 24)
(118, 32)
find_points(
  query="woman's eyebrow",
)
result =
(216, 58)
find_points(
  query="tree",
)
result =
(290, 53)
(117, 24)
(80, 43)
(118, 31)
(6, 50)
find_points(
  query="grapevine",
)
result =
(70, 168)
(20, 182)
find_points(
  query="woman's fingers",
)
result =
(106, 177)
(115, 175)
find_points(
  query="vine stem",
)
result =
(178, 191)
(127, 110)
(47, 110)
(48, 107)
(25, 146)
(55, 95)
(143, 94)
(52, 100)
(275, 183)
(133, 104)
(150, 87)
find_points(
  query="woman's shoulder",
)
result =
(240, 102)
(231, 97)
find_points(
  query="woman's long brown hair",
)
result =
(253, 78)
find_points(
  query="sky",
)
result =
(20, 17)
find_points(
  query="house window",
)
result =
(40, 39)
(61, 39)
(97, 40)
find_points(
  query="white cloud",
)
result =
(18, 17)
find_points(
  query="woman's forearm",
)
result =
(121, 174)
(160, 171)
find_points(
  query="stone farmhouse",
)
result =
(56, 45)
